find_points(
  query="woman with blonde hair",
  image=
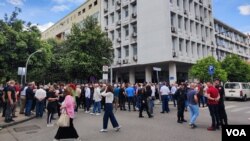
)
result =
(68, 105)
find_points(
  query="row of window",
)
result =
(126, 30)
(90, 6)
(181, 23)
(126, 51)
(231, 45)
(229, 33)
(222, 55)
(190, 48)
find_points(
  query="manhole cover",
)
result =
(26, 128)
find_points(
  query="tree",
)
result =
(84, 49)
(237, 69)
(200, 69)
(17, 42)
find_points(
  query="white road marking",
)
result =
(230, 106)
(239, 109)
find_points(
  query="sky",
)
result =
(45, 13)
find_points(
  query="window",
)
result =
(113, 2)
(171, 1)
(112, 35)
(180, 45)
(178, 2)
(126, 31)
(119, 54)
(134, 50)
(179, 22)
(95, 3)
(79, 13)
(126, 12)
(126, 51)
(173, 19)
(112, 18)
(90, 6)
(119, 34)
(119, 15)
(186, 24)
(83, 11)
(134, 28)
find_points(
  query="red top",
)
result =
(214, 93)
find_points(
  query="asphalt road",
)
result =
(163, 127)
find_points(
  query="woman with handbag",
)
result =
(67, 132)
(109, 98)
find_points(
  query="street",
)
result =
(163, 127)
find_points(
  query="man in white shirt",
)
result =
(97, 98)
(173, 90)
(40, 96)
(87, 98)
(164, 91)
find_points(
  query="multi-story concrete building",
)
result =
(168, 34)
(231, 41)
(63, 27)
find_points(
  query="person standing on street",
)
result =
(29, 99)
(151, 99)
(213, 106)
(130, 91)
(97, 100)
(68, 106)
(144, 94)
(108, 114)
(222, 110)
(116, 94)
(40, 96)
(11, 99)
(192, 99)
(172, 92)
(52, 105)
(181, 96)
(164, 91)
(122, 98)
(87, 98)
(23, 99)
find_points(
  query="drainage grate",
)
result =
(26, 128)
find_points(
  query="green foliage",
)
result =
(17, 42)
(237, 69)
(84, 50)
(200, 70)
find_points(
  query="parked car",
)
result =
(239, 90)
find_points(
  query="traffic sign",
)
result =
(105, 68)
(105, 76)
(211, 70)
(21, 71)
(156, 69)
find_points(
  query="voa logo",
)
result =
(236, 132)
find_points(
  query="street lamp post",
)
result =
(26, 66)
(111, 70)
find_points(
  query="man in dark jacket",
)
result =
(222, 110)
(29, 99)
(144, 94)
(180, 96)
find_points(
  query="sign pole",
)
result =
(157, 76)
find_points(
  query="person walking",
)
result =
(164, 91)
(181, 96)
(40, 96)
(222, 110)
(192, 99)
(213, 106)
(144, 94)
(108, 114)
(68, 106)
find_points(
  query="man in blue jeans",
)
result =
(193, 105)
(164, 91)
(130, 91)
(40, 97)
(29, 99)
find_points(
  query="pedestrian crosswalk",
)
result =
(236, 109)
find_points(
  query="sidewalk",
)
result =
(19, 119)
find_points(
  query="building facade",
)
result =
(63, 27)
(170, 35)
(230, 41)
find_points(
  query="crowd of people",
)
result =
(102, 97)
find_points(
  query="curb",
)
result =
(16, 122)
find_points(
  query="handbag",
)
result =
(63, 120)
